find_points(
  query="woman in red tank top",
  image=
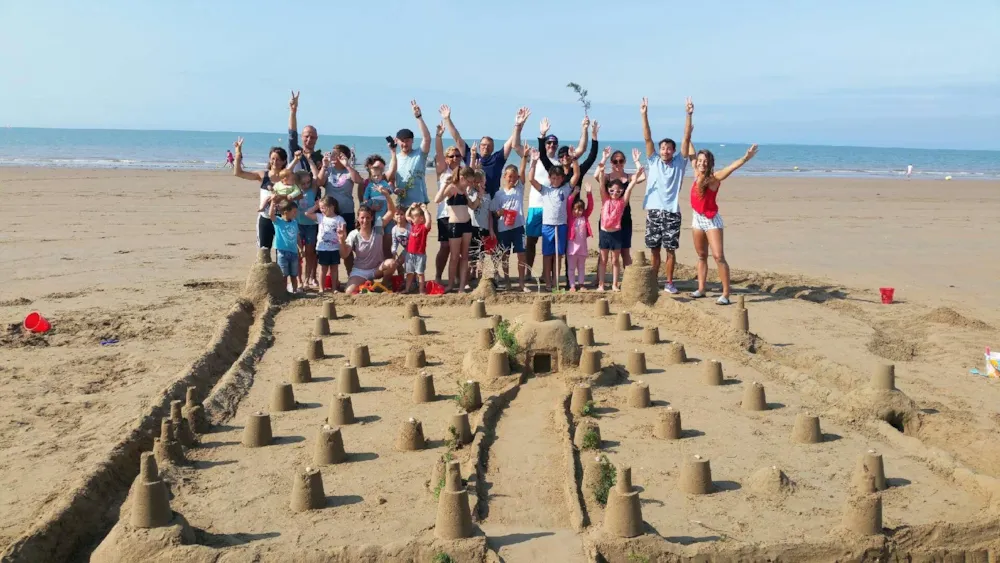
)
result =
(707, 226)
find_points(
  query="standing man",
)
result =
(663, 213)
(411, 165)
(309, 137)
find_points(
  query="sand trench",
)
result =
(232, 502)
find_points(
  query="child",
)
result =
(614, 198)
(481, 225)
(554, 196)
(327, 244)
(372, 196)
(400, 235)
(416, 246)
(579, 232)
(286, 237)
(508, 204)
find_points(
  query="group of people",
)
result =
(317, 210)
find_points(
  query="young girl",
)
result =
(554, 196)
(416, 246)
(604, 178)
(508, 205)
(614, 199)
(579, 232)
(341, 181)
(378, 178)
(400, 235)
(308, 228)
(481, 225)
(327, 244)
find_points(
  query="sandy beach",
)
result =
(154, 260)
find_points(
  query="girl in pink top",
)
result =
(576, 238)
(614, 198)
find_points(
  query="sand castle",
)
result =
(547, 344)
(712, 374)
(639, 282)
(478, 309)
(150, 501)
(651, 335)
(668, 425)
(341, 411)
(347, 379)
(454, 517)
(416, 358)
(417, 326)
(330, 310)
(676, 354)
(282, 398)
(636, 362)
(329, 449)
(322, 327)
(167, 448)
(696, 476)
(301, 371)
(585, 336)
(623, 515)
(638, 395)
(423, 388)
(806, 429)
(307, 490)
(257, 432)
(753, 398)
(314, 349)
(360, 356)
(411, 436)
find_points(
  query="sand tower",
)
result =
(257, 432)
(301, 371)
(314, 349)
(167, 449)
(330, 310)
(263, 281)
(668, 425)
(582, 396)
(307, 490)
(638, 395)
(329, 448)
(182, 430)
(194, 412)
(150, 499)
(322, 326)
(623, 514)
(863, 509)
(423, 388)
(282, 397)
(696, 476)
(547, 343)
(341, 411)
(712, 374)
(454, 516)
(347, 380)
(587, 435)
(416, 358)
(753, 398)
(639, 282)
(651, 335)
(411, 436)
(869, 466)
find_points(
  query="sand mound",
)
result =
(891, 347)
(951, 317)
(265, 280)
(893, 407)
(770, 482)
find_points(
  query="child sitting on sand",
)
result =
(327, 244)
(286, 238)
(416, 246)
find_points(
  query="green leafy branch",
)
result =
(582, 93)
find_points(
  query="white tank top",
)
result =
(442, 208)
(542, 177)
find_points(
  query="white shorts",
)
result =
(366, 274)
(701, 223)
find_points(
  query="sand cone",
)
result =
(454, 517)
(495, 321)
(307, 490)
(870, 469)
(417, 326)
(263, 255)
(463, 430)
(301, 372)
(478, 309)
(314, 349)
(590, 361)
(453, 476)
(347, 381)
(863, 511)
(150, 504)
(341, 411)
(257, 432)
(696, 476)
(713, 373)
(602, 308)
(322, 327)
(194, 412)
(498, 364)
(330, 310)
(740, 302)
(636, 362)
(676, 354)
(148, 471)
(668, 426)
(581, 396)
(470, 398)
(485, 338)
(741, 319)
(638, 395)
(416, 358)
(282, 398)
(166, 449)
(591, 472)
(360, 356)
(651, 335)
(181, 427)
(884, 378)
(753, 398)
(623, 321)
(585, 427)
(423, 388)
(806, 429)
(585, 336)
(411, 436)
(542, 310)
(623, 513)
(329, 448)
(411, 311)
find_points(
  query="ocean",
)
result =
(202, 150)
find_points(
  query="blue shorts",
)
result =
(328, 257)
(533, 223)
(512, 240)
(289, 263)
(549, 233)
(308, 234)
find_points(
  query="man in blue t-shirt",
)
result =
(411, 165)
(663, 186)
(492, 162)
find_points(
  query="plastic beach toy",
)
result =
(887, 293)
(35, 322)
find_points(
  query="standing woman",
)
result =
(277, 162)
(706, 226)
(457, 194)
(446, 164)
(341, 181)
(604, 178)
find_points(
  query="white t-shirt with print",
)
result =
(327, 241)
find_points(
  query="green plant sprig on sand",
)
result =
(504, 334)
(609, 476)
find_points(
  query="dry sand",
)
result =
(155, 259)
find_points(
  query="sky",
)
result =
(853, 72)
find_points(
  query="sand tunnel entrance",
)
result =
(542, 362)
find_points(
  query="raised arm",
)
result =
(390, 206)
(647, 136)
(514, 142)
(345, 247)
(428, 220)
(531, 171)
(425, 133)
(313, 182)
(585, 167)
(238, 170)
(345, 161)
(439, 164)
(584, 129)
(640, 171)
(727, 171)
(599, 173)
(293, 124)
(525, 157)
(687, 148)
(442, 194)
(446, 119)
(543, 130)
(324, 171)
(390, 174)
(575, 180)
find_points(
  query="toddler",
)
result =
(578, 233)
(327, 244)
(416, 246)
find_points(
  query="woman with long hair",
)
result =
(277, 171)
(460, 197)
(447, 163)
(604, 178)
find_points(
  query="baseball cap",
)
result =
(552, 138)
(404, 134)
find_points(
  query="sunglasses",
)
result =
(618, 161)
(453, 156)
(551, 142)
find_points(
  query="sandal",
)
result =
(722, 301)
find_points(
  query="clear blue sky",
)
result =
(880, 73)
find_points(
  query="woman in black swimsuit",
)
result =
(277, 171)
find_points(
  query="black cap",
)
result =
(404, 134)
(563, 151)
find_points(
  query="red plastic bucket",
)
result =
(886, 294)
(509, 216)
(328, 282)
(35, 322)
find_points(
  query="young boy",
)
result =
(481, 225)
(554, 196)
(416, 246)
(327, 244)
(286, 238)
(400, 235)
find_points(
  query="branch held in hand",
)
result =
(582, 96)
